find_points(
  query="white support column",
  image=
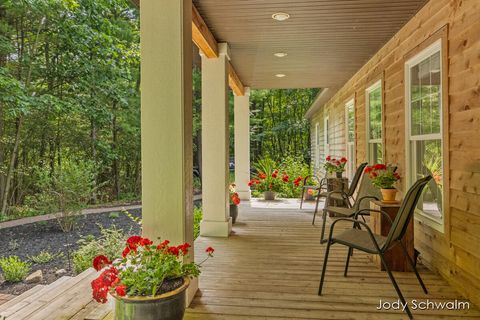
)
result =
(215, 145)
(166, 121)
(242, 144)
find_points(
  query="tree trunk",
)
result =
(11, 166)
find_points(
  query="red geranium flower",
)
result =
(100, 261)
(328, 158)
(379, 166)
(374, 174)
(163, 245)
(210, 251)
(250, 183)
(236, 200)
(146, 242)
(368, 169)
(184, 248)
(134, 241)
(121, 290)
(343, 160)
(262, 175)
(174, 250)
(285, 178)
(126, 251)
(274, 175)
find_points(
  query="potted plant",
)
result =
(148, 282)
(336, 166)
(234, 202)
(384, 178)
(269, 184)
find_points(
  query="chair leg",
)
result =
(395, 285)
(414, 267)
(350, 252)
(324, 223)
(301, 199)
(322, 278)
(317, 201)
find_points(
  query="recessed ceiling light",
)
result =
(280, 16)
(280, 54)
(280, 75)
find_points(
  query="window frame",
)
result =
(326, 135)
(410, 157)
(317, 145)
(348, 143)
(377, 84)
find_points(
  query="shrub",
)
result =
(295, 167)
(44, 257)
(110, 243)
(197, 218)
(14, 269)
(66, 191)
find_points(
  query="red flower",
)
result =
(274, 175)
(184, 248)
(146, 242)
(262, 175)
(374, 174)
(328, 158)
(236, 200)
(100, 261)
(210, 251)
(343, 160)
(134, 241)
(270, 186)
(174, 250)
(163, 245)
(126, 251)
(396, 175)
(285, 178)
(250, 183)
(121, 290)
(379, 166)
(368, 169)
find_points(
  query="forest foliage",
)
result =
(70, 100)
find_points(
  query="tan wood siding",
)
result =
(455, 254)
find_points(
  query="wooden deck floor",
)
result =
(268, 269)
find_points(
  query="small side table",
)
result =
(337, 184)
(394, 257)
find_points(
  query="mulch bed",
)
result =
(30, 239)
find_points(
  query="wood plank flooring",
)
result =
(270, 269)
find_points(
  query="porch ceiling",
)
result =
(327, 41)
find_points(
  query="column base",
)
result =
(244, 194)
(216, 228)
(192, 290)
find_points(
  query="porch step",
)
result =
(45, 300)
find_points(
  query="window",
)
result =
(424, 128)
(374, 123)
(350, 138)
(317, 145)
(326, 132)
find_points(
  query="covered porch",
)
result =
(269, 268)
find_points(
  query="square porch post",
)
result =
(242, 144)
(215, 145)
(166, 121)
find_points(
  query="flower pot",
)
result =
(167, 306)
(339, 175)
(389, 195)
(269, 195)
(234, 212)
(309, 197)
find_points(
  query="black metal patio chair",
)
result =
(345, 197)
(367, 241)
(321, 185)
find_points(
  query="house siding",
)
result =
(455, 253)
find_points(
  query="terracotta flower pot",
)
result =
(269, 195)
(167, 306)
(234, 212)
(389, 195)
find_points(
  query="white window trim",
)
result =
(326, 137)
(437, 224)
(374, 86)
(317, 145)
(350, 103)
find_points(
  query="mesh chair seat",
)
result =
(342, 211)
(359, 239)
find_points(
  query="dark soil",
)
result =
(30, 239)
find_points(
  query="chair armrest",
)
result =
(359, 201)
(373, 210)
(343, 193)
(355, 222)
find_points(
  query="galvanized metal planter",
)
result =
(234, 212)
(167, 306)
(269, 195)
